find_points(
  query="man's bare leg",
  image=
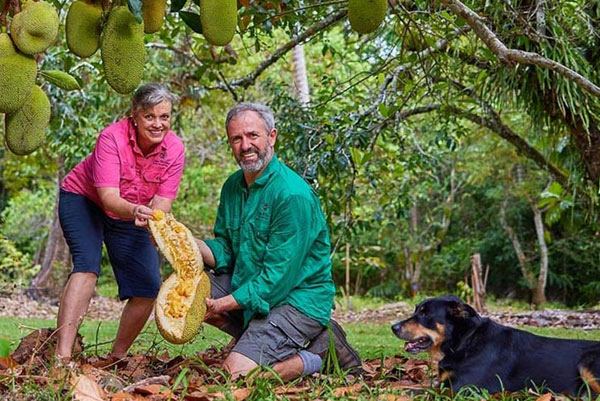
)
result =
(134, 317)
(74, 303)
(238, 365)
(289, 369)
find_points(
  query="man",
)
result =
(272, 288)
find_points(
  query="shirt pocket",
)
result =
(152, 181)
(259, 234)
(233, 231)
(128, 188)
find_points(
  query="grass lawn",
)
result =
(371, 340)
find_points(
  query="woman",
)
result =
(135, 167)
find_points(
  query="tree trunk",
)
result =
(477, 283)
(56, 256)
(539, 293)
(300, 76)
(527, 274)
(348, 275)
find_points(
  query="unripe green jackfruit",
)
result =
(219, 19)
(153, 13)
(123, 51)
(17, 76)
(366, 15)
(83, 28)
(25, 129)
(35, 27)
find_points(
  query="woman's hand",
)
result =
(141, 215)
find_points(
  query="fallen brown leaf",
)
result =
(393, 397)
(8, 362)
(241, 394)
(196, 396)
(545, 397)
(149, 389)
(345, 391)
(85, 388)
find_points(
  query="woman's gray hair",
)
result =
(149, 95)
(263, 112)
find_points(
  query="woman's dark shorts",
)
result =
(133, 257)
(268, 339)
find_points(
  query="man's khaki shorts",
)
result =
(267, 339)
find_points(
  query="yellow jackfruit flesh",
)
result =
(153, 13)
(17, 76)
(25, 129)
(219, 19)
(180, 307)
(122, 49)
(366, 15)
(83, 27)
(35, 27)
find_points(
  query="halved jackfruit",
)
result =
(180, 308)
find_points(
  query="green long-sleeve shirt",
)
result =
(273, 238)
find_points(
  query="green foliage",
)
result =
(15, 267)
(27, 218)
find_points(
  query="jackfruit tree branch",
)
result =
(512, 56)
(250, 79)
(496, 125)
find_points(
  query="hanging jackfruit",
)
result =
(122, 49)
(25, 129)
(83, 27)
(219, 19)
(179, 308)
(153, 13)
(35, 27)
(366, 15)
(17, 76)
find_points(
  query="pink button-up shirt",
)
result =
(117, 161)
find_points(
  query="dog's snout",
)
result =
(396, 328)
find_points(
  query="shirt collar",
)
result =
(133, 140)
(263, 178)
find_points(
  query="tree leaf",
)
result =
(192, 20)
(135, 6)
(4, 348)
(177, 5)
(61, 79)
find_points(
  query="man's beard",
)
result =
(256, 165)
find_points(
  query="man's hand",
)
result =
(216, 307)
(141, 214)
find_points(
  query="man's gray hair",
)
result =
(263, 112)
(151, 94)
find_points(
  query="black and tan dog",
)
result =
(473, 350)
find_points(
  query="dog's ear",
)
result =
(461, 310)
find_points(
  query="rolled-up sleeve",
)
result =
(289, 241)
(220, 246)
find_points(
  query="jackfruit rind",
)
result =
(35, 27)
(25, 129)
(83, 28)
(17, 76)
(219, 19)
(182, 330)
(366, 15)
(122, 49)
(153, 13)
